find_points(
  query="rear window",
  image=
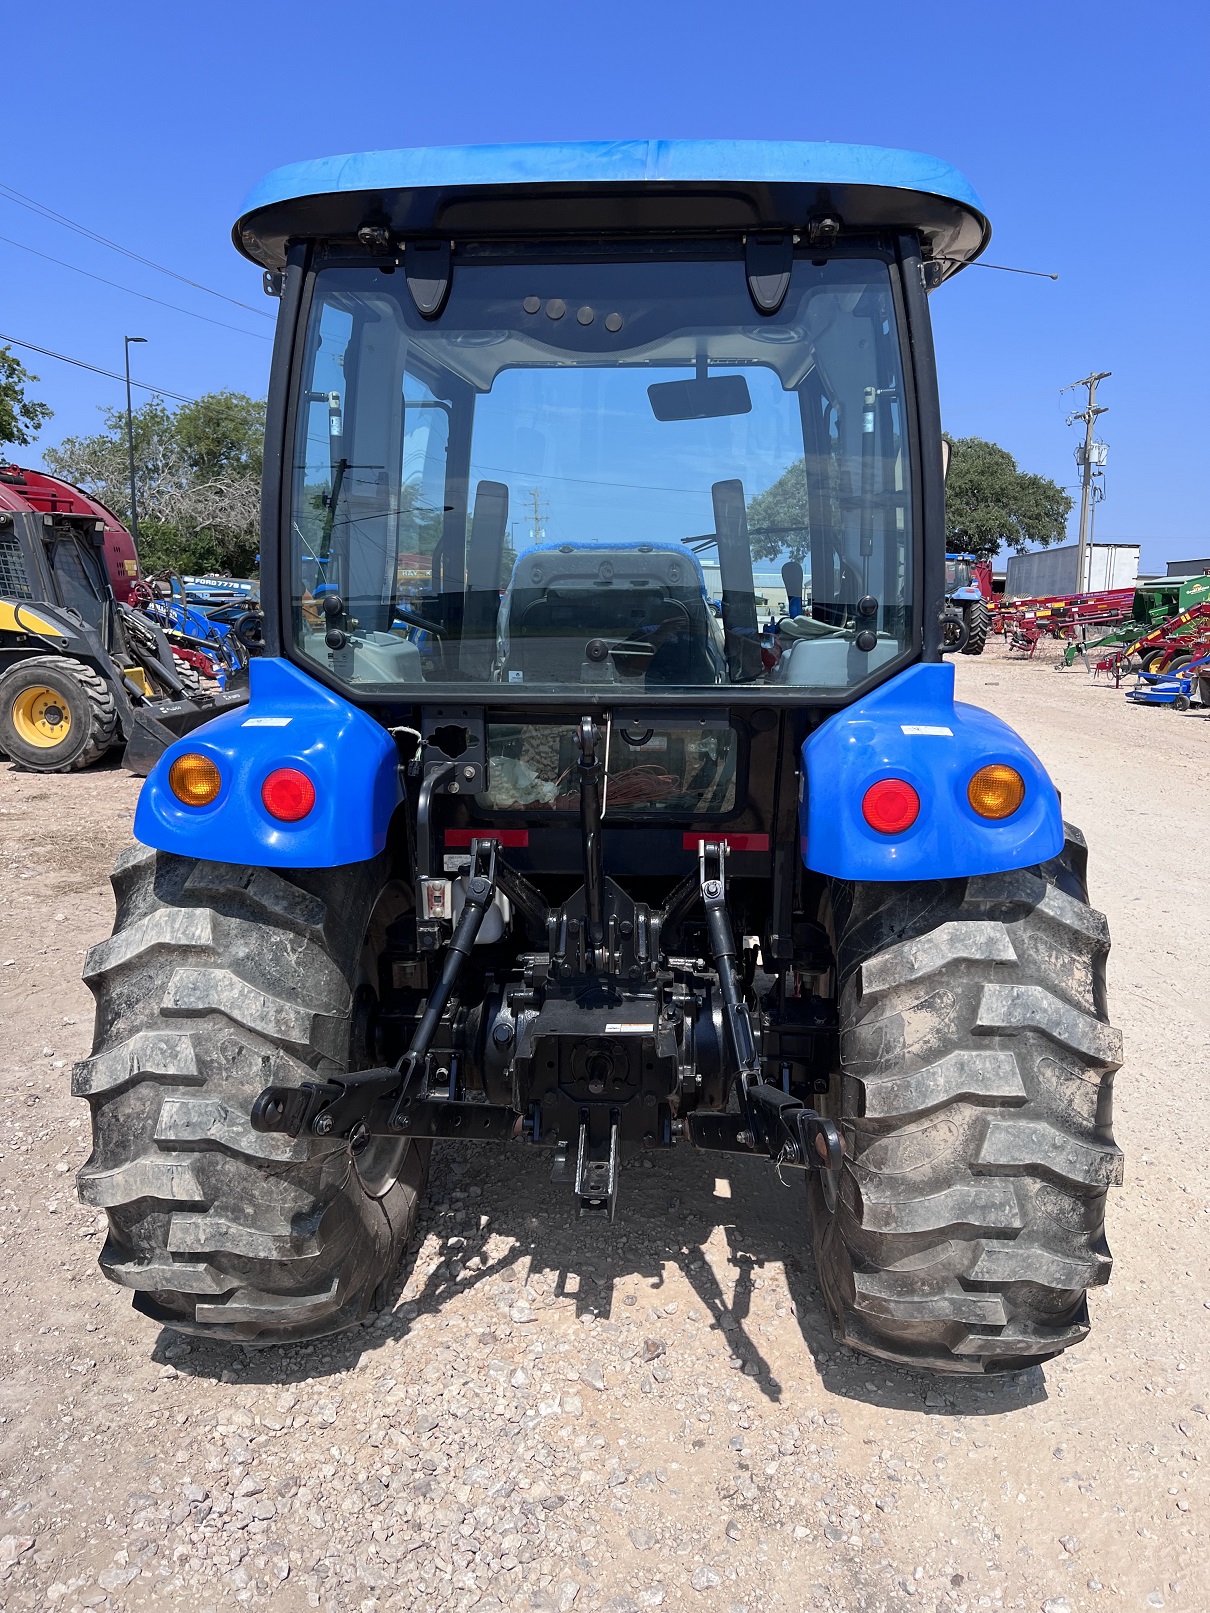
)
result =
(688, 766)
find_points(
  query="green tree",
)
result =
(990, 503)
(21, 418)
(222, 435)
(778, 521)
(420, 522)
(197, 473)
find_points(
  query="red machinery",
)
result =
(1185, 635)
(48, 495)
(1061, 615)
(981, 573)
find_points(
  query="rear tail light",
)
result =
(996, 791)
(288, 794)
(890, 806)
(194, 780)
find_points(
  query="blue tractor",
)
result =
(521, 841)
(968, 587)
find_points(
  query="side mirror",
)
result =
(946, 454)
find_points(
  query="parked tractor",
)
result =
(968, 590)
(521, 842)
(212, 628)
(81, 671)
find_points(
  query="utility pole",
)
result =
(1088, 459)
(134, 504)
(539, 514)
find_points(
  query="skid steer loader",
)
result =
(80, 671)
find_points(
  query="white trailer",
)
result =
(1046, 572)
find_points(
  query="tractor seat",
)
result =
(793, 628)
(628, 614)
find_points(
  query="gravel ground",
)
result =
(649, 1415)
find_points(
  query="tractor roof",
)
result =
(624, 187)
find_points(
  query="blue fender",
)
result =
(290, 721)
(912, 728)
(967, 595)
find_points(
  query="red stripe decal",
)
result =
(733, 842)
(457, 839)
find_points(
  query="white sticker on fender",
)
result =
(925, 728)
(266, 722)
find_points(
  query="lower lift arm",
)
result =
(771, 1121)
(389, 1101)
(393, 1101)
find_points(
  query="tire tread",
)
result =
(102, 708)
(975, 1104)
(219, 981)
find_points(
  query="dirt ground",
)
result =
(649, 1415)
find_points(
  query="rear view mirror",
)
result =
(704, 398)
(946, 451)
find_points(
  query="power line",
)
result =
(82, 229)
(159, 302)
(96, 370)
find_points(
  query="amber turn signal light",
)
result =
(996, 791)
(194, 780)
(288, 794)
(890, 806)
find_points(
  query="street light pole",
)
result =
(134, 504)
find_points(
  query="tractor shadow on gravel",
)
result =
(729, 1237)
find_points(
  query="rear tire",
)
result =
(978, 623)
(967, 1221)
(190, 678)
(217, 982)
(56, 714)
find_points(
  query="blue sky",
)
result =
(1084, 130)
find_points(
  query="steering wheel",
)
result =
(631, 655)
(422, 622)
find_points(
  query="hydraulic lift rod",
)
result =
(591, 775)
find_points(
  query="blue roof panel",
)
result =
(608, 186)
(782, 162)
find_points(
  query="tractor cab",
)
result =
(545, 404)
(958, 579)
(967, 579)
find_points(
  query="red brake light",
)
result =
(288, 794)
(890, 806)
